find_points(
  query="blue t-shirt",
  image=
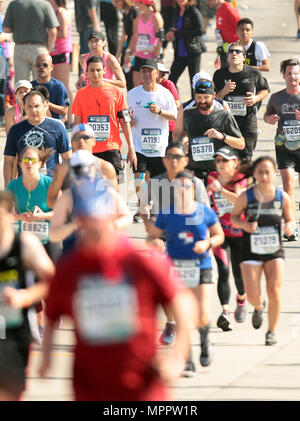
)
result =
(58, 94)
(50, 133)
(25, 200)
(183, 231)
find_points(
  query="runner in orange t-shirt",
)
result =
(103, 107)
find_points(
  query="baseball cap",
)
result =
(227, 153)
(204, 87)
(97, 34)
(149, 62)
(147, 2)
(200, 75)
(162, 68)
(82, 157)
(23, 83)
(82, 127)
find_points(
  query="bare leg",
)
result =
(274, 274)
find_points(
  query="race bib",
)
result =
(237, 105)
(202, 148)
(13, 316)
(101, 126)
(219, 38)
(188, 270)
(105, 312)
(265, 240)
(143, 42)
(38, 228)
(151, 141)
(291, 130)
(224, 206)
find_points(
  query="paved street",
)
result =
(243, 367)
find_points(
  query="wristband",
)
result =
(224, 136)
(159, 111)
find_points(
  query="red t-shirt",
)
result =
(99, 108)
(168, 84)
(120, 370)
(226, 21)
(224, 207)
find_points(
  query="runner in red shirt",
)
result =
(112, 292)
(226, 25)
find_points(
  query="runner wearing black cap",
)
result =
(208, 129)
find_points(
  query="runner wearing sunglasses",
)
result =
(243, 87)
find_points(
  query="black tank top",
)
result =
(265, 243)
(12, 274)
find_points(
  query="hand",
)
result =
(229, 87)
(25, 216)
(272, 119)
(215, 186)
(78, 84)
(132, 159)
(38, 215)
(17, 298)
(297, 114)
(289, 228)
(149, 224)
(250, 227)
(170, 36)
(213, 133)
(250, 99)
(218, 63)
(154, 108)
(200, 247)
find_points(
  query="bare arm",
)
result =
(52, 33)
(55, 187)
(94, 18)
(115, 67)
(265, 66)
(8, 168)
(159, 24)
(234, 142)
(109, 172)
(59, 109)
(60, 229)
(131, 156)
(62, 17)
(10, 118)
(216, 239)
(66, 155)
(120, 45)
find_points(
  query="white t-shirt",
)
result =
(261, 52)
(150, 131)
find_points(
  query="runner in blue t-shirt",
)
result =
(38, 131)
(191, 229)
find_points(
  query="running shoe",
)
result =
(271, 338)
(189, 370)
(223, 322)
(257, 316)
(168, 334)
(206, 355)
(241, 310)
(137, 218)
(293, 237)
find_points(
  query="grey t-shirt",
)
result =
(29, 20)
(284, 105)
(161, 193)
(82, 7)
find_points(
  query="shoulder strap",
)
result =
(250, 194)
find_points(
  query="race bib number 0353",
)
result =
(101, 126)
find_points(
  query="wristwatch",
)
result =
(224, 136)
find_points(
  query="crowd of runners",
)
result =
(200, 194)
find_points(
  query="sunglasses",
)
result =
(38, 65)
(173, 156)
(234, 50)
(32, 160)
(81, 136)
(203, 84)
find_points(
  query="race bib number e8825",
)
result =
(38, 228)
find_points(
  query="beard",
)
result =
(204, 106)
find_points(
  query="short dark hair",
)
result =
(176, 144)
(288, 62)
(33, 93)
(43, 90)
(95, 59)
(262, 159)
(244, 21)
(7, 200)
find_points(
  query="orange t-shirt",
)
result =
(99, 107)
